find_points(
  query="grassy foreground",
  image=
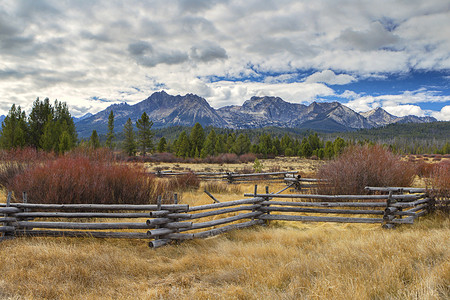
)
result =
(284, 260)
(308, 261)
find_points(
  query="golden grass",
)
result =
(285, 260)
(314, 262)
(306, 167)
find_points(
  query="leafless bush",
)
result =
(361, 166)
(440, 182)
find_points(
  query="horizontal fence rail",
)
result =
(161, 224)
(233, 177)
(291, 178)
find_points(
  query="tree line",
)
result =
(51, 128)
(48, 127)
(200, 144)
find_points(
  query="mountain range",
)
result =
(166, 110)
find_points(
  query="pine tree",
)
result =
(37, 120)
(66, 123)
(197, 139)
(162, 145)
(129, 143)
(209, 145)
(64, 142)
(265, 144)
(14, 129)
(242, 145)
(338, 145)
(183, 145)
(219, 147)
(231, 138)
(286, 142)
(145, 133)
(47, 134)
(94, 141)
(314, 141)
(329, 150)
(110, 135)
(257, 166)
(305, 148)
(48, 137)
(289, 152)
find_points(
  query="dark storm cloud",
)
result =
(374, 38)
(145, 55)
(140, 48)
(207, 51)
(198, 5)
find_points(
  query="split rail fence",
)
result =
(162, 224)
(231, 177)
(292, 178)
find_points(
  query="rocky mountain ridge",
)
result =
(167, 110)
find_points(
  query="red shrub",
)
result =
(100, 154)
(423, 169)
(184, 182)
(225, 158)
(248, 157)
(361, 166)
(81, 180)
(165, 157)
(25, 155)
(440, 182)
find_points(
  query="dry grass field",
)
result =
(306, 167)
(280, 261)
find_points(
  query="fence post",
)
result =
(159, 240)
(267, 205)
(175, 201)
(389, 213)
(431, 201)
(6, 234)
(230, 177)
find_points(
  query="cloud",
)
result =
(443, 114)
(329, 77)
(375, 37)
(362, 103)
(147, 56)
(207, 51)
(139, 48)
(405, 110)
(75, 50)
(235, 93)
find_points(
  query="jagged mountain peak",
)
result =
(163, 109)
(258, 111)
(375, 112)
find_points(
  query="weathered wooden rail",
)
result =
(291, 178)
(231, 177)
(387, 209)
(161, 224)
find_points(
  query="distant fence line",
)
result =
(289, 177)
(162, 224)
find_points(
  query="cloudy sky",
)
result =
(91, 54)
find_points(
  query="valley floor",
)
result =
(280, 261)
(305, 261)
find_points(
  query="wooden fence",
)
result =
(165, 223)
(291, 178)
(231, 177)
(389, 209)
